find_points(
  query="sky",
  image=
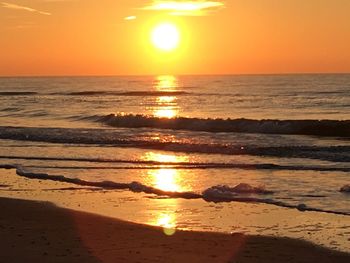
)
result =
(114, 37)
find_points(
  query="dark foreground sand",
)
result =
(41, 232)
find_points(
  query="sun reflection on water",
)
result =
(166, 82)
(163, 158)
(166, 99)
(166, 179)
(165, 113)
(166, 106)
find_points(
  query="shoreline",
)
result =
(40, 231)
(326, 230)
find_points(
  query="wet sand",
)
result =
(41, 232)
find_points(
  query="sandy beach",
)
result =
(41, 232)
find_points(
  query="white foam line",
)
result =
(220, 193)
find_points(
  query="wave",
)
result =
(17, 93)
(128, 93)
(112, 137)
(338, 128)
(220, 193)
(145, 164)
(222, 190)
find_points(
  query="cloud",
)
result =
(19, 7)
(186, 8)
(130, 18)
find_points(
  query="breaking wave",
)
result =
(220, 193)
(338, 128)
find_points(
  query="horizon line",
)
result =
(152, 75)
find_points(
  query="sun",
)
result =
(165, 37)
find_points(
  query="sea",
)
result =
(277, 140)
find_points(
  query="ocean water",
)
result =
(274, 139)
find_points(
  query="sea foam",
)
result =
(220, 193)
(345, 188)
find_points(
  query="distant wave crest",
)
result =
(339, 128)
(126, 93)
(17, 93)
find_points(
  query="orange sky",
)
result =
(92, 37)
